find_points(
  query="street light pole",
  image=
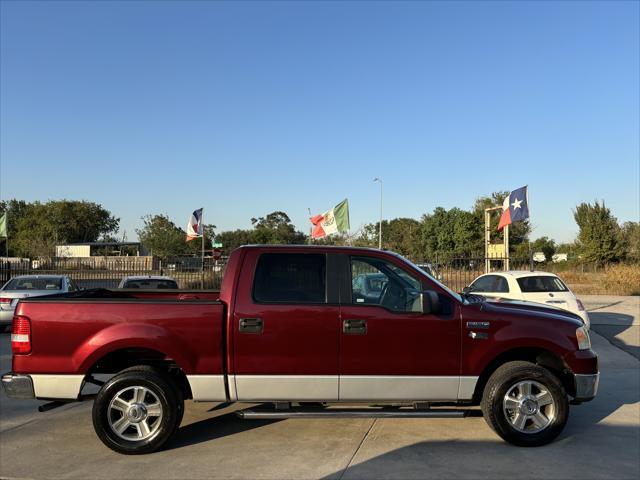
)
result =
(379, 180)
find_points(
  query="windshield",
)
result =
(34, 283)
(541, 284)
(150, 283)
(434, 280)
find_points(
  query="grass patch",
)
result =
(614, 280)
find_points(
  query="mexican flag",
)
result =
(333, 221)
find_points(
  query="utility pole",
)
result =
(379, 180)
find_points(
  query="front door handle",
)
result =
(354, 327)
(250, 325)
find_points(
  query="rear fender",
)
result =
(127, 335)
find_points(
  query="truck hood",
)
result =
(530, 309)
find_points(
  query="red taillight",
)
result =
(580, 305)
(5, 300)
(21, 336)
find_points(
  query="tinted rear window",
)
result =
(490, 284)
(290, 278)
(541, 284)
(153, 284)
(41, 283)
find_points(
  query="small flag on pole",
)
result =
(194, 227)
(515, 207)
(330, 222)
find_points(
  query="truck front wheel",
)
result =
(137, 411)
(525, 404)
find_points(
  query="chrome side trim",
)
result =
(65, 387)
(398, 388)
(467, 387)
(207, 388)
(286, 387)
(259, 414)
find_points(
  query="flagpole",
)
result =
(202, 223)
(311, 227)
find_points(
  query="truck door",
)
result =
(286, 327)
(389, 349)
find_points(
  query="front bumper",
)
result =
(18, 386)
(586, 386)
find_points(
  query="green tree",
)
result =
(400, 235)
(274, 228)
(36, 228)
(631, 240)
(449, 233)
(161, 237)
(544, 245)
(599, 234)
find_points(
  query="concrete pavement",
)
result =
(616, 318)
(602, 440)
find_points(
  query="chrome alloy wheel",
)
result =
(529, 406)
(135, 413)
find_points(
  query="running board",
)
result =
(271, 414)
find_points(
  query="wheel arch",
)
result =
(117, 360)
(538, 356)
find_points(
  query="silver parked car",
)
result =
(25, 286)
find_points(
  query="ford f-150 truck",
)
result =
(291, 327)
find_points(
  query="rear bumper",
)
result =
(18, 386)
(586, 386)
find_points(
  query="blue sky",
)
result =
(245, 108)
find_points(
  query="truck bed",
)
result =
(71, 332)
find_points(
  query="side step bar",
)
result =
(271, 414)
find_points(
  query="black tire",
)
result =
(157, 389)
(505, 422)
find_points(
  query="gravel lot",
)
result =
(602, 438)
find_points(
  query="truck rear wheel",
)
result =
(525, 404)
(137, 411)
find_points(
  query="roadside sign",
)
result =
(496, 250)
(216, 245)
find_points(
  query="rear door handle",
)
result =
(250, 325)
(354, 327)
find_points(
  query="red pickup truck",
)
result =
(315, 331)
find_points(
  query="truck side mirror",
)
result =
(466, 290)
(430, 302)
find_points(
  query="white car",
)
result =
(148, 282)
(537, 287)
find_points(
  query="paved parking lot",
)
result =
(602, 440)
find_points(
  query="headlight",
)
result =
(582, 336)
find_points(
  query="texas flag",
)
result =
(194, 227)
(515, 207)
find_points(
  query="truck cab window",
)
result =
(290, 278)
(378, 282)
